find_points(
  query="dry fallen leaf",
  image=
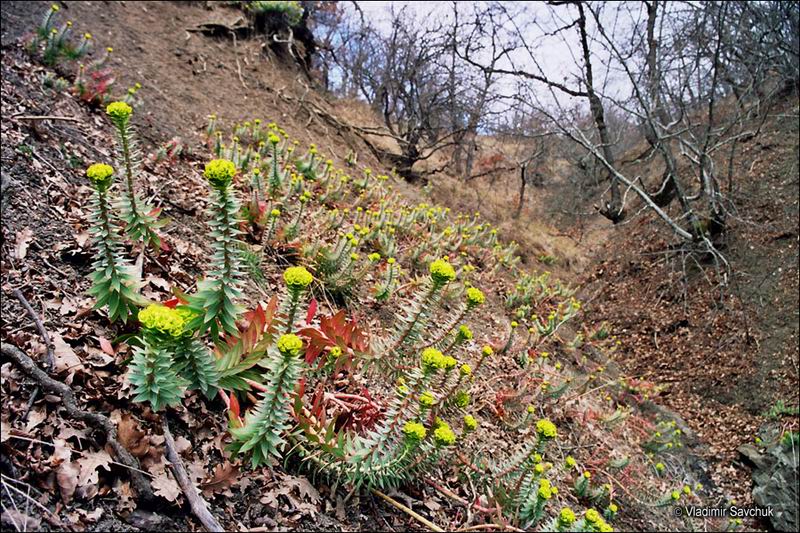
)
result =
(89, 464)
(35, 417)
(66, 360)
(132, 437)
(224, 476)
(67, 476)
(304, 488)
(166, 487)
(106, 346)
(23, 241)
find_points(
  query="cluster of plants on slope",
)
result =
(317, 377)
(59, 45)
(305, 368)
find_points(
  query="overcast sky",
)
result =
(557, 56)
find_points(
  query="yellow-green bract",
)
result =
(119, 112)
(297, 278)
(290, 344)
(220, 172)
(100, 174)
(163, 319)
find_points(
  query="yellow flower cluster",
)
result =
(545, 490)
(565, 518)
(163, 319)
(297, 278)
(433, 359)
(470, 424)
(449, 362)
(101, 175)
(426, 399)
(119, 112)
(442, 272)
(596, 521)
(475, 297)
(220, 172)
(290, 344)
(443, 435)
(546, 429)
(465, 370)
(414, 431)
(464, 332)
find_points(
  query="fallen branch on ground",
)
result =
(45, 117)
(196, 502)
(51, 361)
(140, 484)
(413, 514)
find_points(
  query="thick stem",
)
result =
(126, 157)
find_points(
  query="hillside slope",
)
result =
(607, 422)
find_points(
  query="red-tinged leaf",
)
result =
(172, 303)
(312, 310)
(155, 212)
(106, 345)
(257, 315)
(316, 406)
(235, 410)
(165, 247)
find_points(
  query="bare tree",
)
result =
(681, 69)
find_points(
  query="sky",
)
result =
(557, 56)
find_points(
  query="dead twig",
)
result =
(46, 337)
(51, 361)
(140, 484)
(413, 514)
(44, 117)
(196, 502)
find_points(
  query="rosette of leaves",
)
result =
(193, 360)
(384, 291)
(214, 303)
(114, 281)
(140, 218)
(265, 425)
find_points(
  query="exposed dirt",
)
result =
(724, 356)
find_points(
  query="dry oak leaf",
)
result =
(304, 488)
(166, 487)
(67, 475)
(130, 436)
(65, 357)
(89, 464)
(224, 476)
